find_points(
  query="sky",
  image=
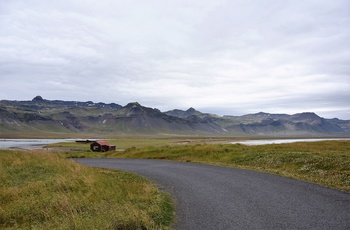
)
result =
(227, 57)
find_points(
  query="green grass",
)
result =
(139, 142)
(82, 150)
(124, 142)
(40, 190)
(326, 163)
(120, 143)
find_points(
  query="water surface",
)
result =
(282, 141)
(29, 143)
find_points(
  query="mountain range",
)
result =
(41, 116)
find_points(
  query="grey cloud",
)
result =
(239, 55)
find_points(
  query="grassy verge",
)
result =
(326, 163)
(44, 191)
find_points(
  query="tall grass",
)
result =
(43, 191)
(326, 162)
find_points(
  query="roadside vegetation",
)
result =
(326, 162)
(41, 190)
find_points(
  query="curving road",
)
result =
(212, 197)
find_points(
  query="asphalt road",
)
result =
(212, 197)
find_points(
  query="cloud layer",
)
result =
(224, 57)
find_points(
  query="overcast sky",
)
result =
(228, 57)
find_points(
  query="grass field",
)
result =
(79, 150)
(40, 190)
(326, 162)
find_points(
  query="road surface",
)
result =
(213, 197)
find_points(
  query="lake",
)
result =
(29, 143)
(282, 141)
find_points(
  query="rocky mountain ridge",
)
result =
(55, 116)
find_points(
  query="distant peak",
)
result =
(262, 113)
(307, 115)
(38, 98)
(191, 110)
(133, 104)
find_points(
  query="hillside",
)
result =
(40, 116)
